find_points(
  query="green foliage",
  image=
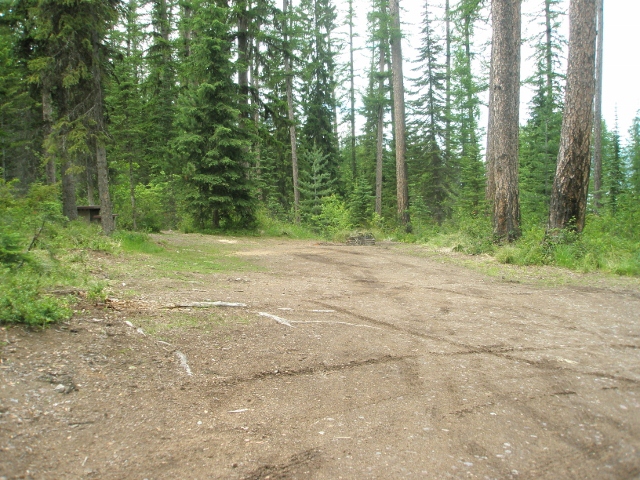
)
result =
(601, 246)
(136, 242)
(22, 301)
(316, 182)
(361, 203)
(334, 217)
(212, 144)
(40, 250)
(272, 226)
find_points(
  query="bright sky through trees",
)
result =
(621, 38)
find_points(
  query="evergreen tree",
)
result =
(633, 155)
(540, 137)
(317, 85)
(316, 183)
(465, 137)
(20, 119)
(568, 205)
(613, 169)
(399, 117)
(503, 130)
(160, 88)
(211, 142)
(128, 125)
(431, 175)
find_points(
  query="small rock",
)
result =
(60, 388)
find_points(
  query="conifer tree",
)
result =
(317, 85)
(540, 137)
(402, 185)
(502, 133)
(211, 142)
(613, 169)
(633, 155)
(128, 125)
(431, 175)
(568, 204)
(316, 182)
(465, 103)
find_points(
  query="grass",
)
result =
(177, 257)
(205, 321)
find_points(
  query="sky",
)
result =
(621, 77)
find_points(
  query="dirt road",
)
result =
(346, 362)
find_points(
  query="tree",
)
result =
(428, 135)
(613, 169)
(316, 183)
(502, 134)
(402, 185)
(290, 111)
(465, 147)
(569, 196)
(211, 143)
(317, 82)
(540, 137)
(633, 153)
(597, 131)
(352, 92)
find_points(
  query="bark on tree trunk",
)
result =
(502, 133)
(132, 196)
(352, 94)
(106, 213)
(69, 206)
(380, 132)
(243, 57)
(569, 196)
(447, 94)
(597, 131)
(88, 171)
(399, 109)
(47, 119)
(292, 124)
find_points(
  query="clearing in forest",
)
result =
(327, 361)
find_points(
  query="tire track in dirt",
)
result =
(314, 369)
(302, 463)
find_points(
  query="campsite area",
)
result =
(327, 361)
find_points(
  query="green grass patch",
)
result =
(137, 242)
(196, 319)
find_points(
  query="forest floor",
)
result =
(386, 361)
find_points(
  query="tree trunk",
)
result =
(502, 133)
(569, 195)
(106, 213)
(88, 173)
(243, 57)
(132, 196)
(47, 119)
(292, 124)
(69, 206)
(447, 88)
(549, 94)
(399, 109)
(380, 132)
(597, 131)
(352, 94)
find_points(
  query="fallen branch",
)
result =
(205, 305)
(341, 323)
(281, 321)
(183, 362)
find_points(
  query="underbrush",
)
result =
(42, 255)
(603, 245)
